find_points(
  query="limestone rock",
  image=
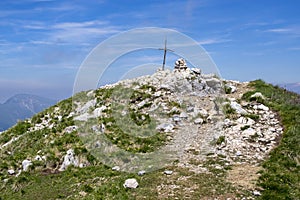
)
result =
(198, 121)
(230, 88)
(25, 164)
(214, 83)
(142, 172)
(261, 107)
(166, 127)
(237, 107)
(116, 168)
(38, 158)
(180, 64)
(11, 171)
(168, 172)
(70, 129)
(131, 183)
(257, 95)
(69, 159)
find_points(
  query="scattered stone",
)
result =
(176, 118)
(70, 129)
(238, 153)
(98, 111)
(165, 127)
(227, 122)
(168, 172)
(262, 107)
(38, 158)
(249, 132)
(196, 71)
(198, 121)
(116, 168)
(238, 108)
(142, 172)
(190, 109)
(69, 159)
(256, 193)
(257, 95)
(25, 164)
(183, 115)
(83, 193)
(214, 83)
(231, 88)
(131, 183)
(11, 171)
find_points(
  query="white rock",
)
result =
(90, 93)
(190, 109)
(246, 121)
(249, 132)
(198, 121)
(196, 70)
(257, 95)
(183, 115)
(166, 127)
(25, 164)
(213, 83)
(38, 158)
(11, 171)
(141, 104)
(227, 122)
(131, 183)
(116, 168)
(70, 129)
(231, 87)
(168, 172)
(98, 111)
(256, 193)
(176, 118)
(262, 107)
(142, 172)
(69, 159)
(203, 113)
(237, 107)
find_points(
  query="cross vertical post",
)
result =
(165, 53)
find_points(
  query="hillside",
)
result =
(176, 134)
(20, 107)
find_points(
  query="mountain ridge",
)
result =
(222, 132)
(20, 107)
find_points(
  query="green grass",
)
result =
(280, 177)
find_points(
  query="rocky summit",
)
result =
(176, 134)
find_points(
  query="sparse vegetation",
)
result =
(281, 174)
(279, 179)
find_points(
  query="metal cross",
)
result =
(165, 54)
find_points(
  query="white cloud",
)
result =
(279, 30)
(213, 41)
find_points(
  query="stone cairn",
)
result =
(180, 64)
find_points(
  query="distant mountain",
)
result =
(21, 106)
(294, 87)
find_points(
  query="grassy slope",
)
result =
(280, 178)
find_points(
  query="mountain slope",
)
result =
(20, 107)
(176, 132)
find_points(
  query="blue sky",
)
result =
(43, 42)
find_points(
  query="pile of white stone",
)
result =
(180, 64)
(247, 140)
